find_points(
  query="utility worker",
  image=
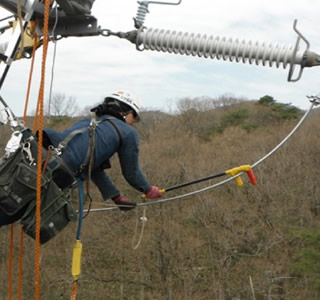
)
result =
(114, 133)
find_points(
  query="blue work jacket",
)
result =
(107, 143)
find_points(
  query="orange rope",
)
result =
(20, 265)
(74, 290)
(12, 227)
(39, 160)
(24, 119)
(10, 264)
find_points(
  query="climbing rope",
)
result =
(20, 264)
(24, 120)
(10, 263)
(223, 181)
(19, 288)
(40, 141)
(74, 290)
(12, 225)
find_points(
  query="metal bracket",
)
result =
(314, 99)
(296, 48)
(15, 40)
(73, 26)
(143, 10)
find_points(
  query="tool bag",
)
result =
(18, 187)
(56, 213)
(17, 183)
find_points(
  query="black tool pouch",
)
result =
(18, 189)
(56, 213)
(59, 172)
(17, 182)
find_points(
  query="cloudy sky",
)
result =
(88, 68)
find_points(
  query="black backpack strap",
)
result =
(92, 128)
(89, 159)
(93, 124)
(117, 130)
(62, 145)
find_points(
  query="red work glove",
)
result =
(154, 193)
(123, 203)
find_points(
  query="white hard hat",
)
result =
(126, 98)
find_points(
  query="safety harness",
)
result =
(88, 163)
(89, 159)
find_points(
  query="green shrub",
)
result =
(309, 259)
(285, 110)
(235, 117)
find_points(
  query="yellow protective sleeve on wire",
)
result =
(237, 170)
(76, 260)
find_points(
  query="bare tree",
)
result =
(59, 105)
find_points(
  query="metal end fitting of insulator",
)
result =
(311, 59)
